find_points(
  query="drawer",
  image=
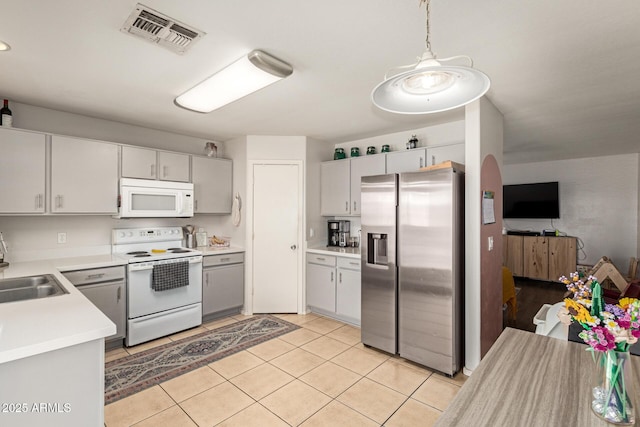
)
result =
(97, 275)
(213, 260)
(321, 259)
(352, 263)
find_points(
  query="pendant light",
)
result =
(429, 86)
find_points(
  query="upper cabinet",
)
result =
(406, 161)
(212, 182)
(340, 179)
(335, 189)
(413, 160)
(84, 176)
(146, 163)
(22, 172)
(454, 152)
(363, 166)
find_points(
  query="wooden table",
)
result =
(530, 380)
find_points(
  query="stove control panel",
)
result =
(145, 235)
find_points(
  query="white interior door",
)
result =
(277, 211)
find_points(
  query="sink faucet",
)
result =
(3, 248)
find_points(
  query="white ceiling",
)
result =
(564, 73)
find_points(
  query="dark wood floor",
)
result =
(532, 295)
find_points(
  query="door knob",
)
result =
(293, 247)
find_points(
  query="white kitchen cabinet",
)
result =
(321, 283)
(334, 188)
(22, 172)
(84, 176)
(406, 161)
(212, 183)
(333, 286)
(348, 289)
(363, 166)
(173, 166)
(146, 163)
(222, 284)
(106, 289)
(110, 299)
(439, 154)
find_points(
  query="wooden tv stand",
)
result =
(540, 257)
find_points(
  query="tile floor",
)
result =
(318, 375)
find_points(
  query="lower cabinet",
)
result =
(540, 257)
(348, 290)
(110, 299)
(333, 286)
(106, 289)
(222, 285)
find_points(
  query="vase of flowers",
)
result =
(609, 330)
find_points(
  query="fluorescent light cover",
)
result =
(248, 74)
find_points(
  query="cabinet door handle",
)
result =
(332, 276)
(225, 259)
(196, 205)
(164, 171)
(320, 259)
(421, 161)
(354, 206)
(340, 279)
(346, 206)
(433, 160)
(95, 276)
(153, 171)
(118, 294)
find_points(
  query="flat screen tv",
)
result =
(539, 200)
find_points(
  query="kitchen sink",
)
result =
(30, 287)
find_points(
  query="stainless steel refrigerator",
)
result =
(413, 266)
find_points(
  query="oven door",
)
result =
(143, 300)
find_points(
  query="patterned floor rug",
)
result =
(131, 374)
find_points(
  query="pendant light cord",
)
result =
(428, 38)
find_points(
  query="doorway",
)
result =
(276, 237)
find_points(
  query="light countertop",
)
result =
(335, 251)
(218, 250)
(40, 325)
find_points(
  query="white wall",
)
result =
(483, 136)
(598, 203)
(442, 134)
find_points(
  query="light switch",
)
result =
(490, 242)
(62, 237)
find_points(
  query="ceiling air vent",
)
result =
(158, 28)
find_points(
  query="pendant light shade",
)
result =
(248, 74)
(429, 86)
(430, 89)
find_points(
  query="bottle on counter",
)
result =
(6, 117)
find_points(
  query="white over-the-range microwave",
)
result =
(143, 198)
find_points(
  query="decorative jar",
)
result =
(339, 154)
(371, 150)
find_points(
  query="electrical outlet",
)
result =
(490, 242)
(62, 237)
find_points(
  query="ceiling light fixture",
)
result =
(429, 86)
(248, 74)
(4, 46)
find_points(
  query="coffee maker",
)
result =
(338, 233)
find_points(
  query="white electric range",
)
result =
(164, 282)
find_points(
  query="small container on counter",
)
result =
(355, 152)
(371, 149)
(339, 154)
(385, 148)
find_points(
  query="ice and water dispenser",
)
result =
(377, 249)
